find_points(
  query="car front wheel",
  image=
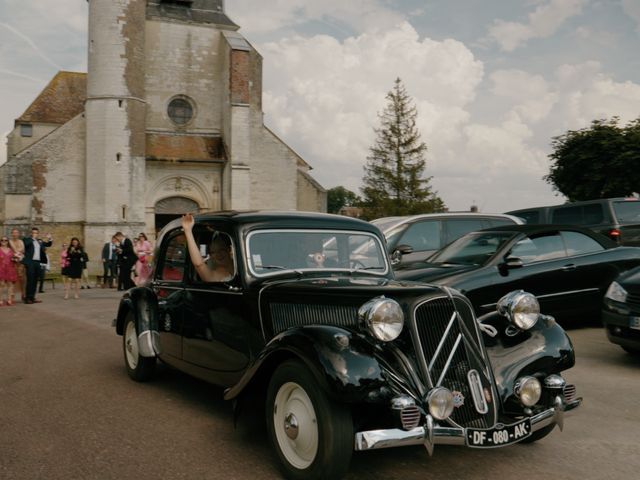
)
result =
(139, 368)
(312, 435)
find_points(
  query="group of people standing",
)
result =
(21, 265)
(125, 260)
(23, 261)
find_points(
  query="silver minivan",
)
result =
(416, 237)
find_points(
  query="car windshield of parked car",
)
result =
(472, 249)
(273, 251)
(627, 211)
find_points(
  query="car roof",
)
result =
(411, 218)
(284, 219)
(576, 203)
(534, 229)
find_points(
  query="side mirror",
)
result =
(396, 255)
(513, 262)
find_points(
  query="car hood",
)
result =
(630, 280)
(431, 272)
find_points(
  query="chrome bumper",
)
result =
(431, 434)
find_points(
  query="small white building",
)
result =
(167, 120)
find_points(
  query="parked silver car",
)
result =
(416, 237)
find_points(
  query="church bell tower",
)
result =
(115, 119)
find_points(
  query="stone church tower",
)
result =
(168, 119)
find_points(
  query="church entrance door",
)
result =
(170, 208)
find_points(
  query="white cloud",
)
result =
(323, 95)
(632, 8)
(543, 23)
(258, 17)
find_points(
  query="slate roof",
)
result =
(61, 100)
(184, 147)
(196, 11)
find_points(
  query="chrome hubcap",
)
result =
(291, 426)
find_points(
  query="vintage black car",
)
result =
(621, 313)
(567, 268)
(345, 357)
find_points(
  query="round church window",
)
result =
(180, 111)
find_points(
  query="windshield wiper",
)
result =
(273, 267)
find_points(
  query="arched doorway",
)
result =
(169, 208)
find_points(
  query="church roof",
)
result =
(191, 148)
(196, 11)
(61, 100)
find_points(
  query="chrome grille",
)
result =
(287, 315)
(633, 299)
(569, 392)
(447, 337)
(410, 417)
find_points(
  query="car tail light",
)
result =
(614, 234)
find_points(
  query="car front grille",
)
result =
(447, 342)
(633, 299)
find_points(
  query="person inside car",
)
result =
(219, 266)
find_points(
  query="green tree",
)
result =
(601, 161)
(394, 182)
(338, 197)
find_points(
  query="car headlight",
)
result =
(616, 293)
(383, 317)
(528, 390)
(440, 402)
(521, 308)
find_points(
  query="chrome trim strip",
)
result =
(445, 369)
(204, 290)
(476, 392)
(442, 342)
(550, 295)
(402, 358)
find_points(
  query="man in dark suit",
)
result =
(109, 262)
(33, 255)
(126, 260)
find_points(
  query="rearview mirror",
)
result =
(513, 262)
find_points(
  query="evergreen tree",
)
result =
(394, 182)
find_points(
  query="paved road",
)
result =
(69, 411)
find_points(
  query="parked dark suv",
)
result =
(617, 218)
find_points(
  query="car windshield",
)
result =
(272, 251)
(473, 249)
(627, 211)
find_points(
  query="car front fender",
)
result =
(343, 363)
(546, 349)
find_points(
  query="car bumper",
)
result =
(622, 329)
(431, 434)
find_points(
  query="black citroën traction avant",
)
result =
(346, 357)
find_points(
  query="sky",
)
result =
(493, 80)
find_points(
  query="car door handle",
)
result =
(568, 268)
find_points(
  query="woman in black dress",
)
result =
(75, 263)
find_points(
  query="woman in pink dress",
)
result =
(143, 249)
(17, 245)
(8, 271)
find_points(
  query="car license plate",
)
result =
(499, 435)
(634, 322)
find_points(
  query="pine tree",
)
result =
(394, 182)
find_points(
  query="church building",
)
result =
(167, 120)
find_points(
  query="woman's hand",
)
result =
(187, 222)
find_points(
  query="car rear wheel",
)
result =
(312, 435)
(139, 368)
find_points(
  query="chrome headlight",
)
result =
(383, 317)
(440, 402)
(528, 390)
(616, 293)
(521, 308)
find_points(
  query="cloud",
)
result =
(543, 23)
(260, 17)
(323, 95)
(632, 8)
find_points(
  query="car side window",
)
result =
(539, 248)
(217, 253)
(530, 216)
(422, 236)
(578, 243)
(173, 259)
(568, 215)
(456, 228)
